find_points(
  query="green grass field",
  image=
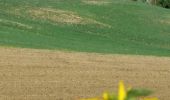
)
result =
(102, 26)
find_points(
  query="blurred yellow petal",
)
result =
(105, 96)
(150, 99)
(122, 92)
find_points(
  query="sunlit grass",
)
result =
(121, 26)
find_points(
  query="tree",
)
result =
(165, 3)
(162, 3)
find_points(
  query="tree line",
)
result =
(162, 3)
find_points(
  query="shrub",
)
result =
(164, 3)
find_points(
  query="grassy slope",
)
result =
(136, 28)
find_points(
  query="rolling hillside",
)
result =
(73, 49)
(102, 26)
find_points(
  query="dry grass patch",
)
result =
(62, 16)
(96, 2)
(165, 21)
(14, 24)
(56, 15)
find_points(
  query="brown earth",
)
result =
(28, 74)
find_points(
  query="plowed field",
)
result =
(29, 74)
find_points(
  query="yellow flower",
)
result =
(150, 99)
(122, 93)
(105, 96)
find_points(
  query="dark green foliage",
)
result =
(138, 93)
(164, 3)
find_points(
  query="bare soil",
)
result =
(28, 74)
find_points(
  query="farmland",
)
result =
(29, 74)
(72, 49)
